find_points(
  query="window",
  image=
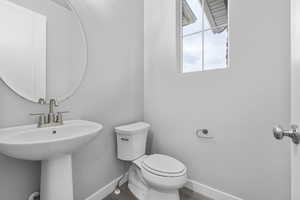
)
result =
(204, 35)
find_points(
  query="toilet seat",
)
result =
(163, 165)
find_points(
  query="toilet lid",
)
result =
(164, 164)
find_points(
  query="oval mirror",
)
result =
(43, 50)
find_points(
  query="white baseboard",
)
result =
(191, 184)
(109, 188)
(209, 191)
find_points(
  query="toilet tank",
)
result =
(131, 140)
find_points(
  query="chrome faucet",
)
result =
(50, 119)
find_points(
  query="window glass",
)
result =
(215, 49)
(191, 51)
(205, 35)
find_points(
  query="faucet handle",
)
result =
(59, 117)
(41, 118)
(37, 114)
(63, 112)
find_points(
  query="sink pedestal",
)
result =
(56, 178)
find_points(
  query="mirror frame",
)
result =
(68, 95)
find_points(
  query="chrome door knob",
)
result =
(278, 132)
(292, 133)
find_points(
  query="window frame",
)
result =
(179, 36)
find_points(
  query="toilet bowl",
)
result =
(150, 177)
(156, 177)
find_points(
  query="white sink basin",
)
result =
(32, 143)
(53, 146)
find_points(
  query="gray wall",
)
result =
(111, 93)
(238, 105)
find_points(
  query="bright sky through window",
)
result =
(204, 46)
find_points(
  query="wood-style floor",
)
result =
(185, 194)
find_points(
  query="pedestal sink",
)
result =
(53, 146)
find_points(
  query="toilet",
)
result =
(150, 177)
